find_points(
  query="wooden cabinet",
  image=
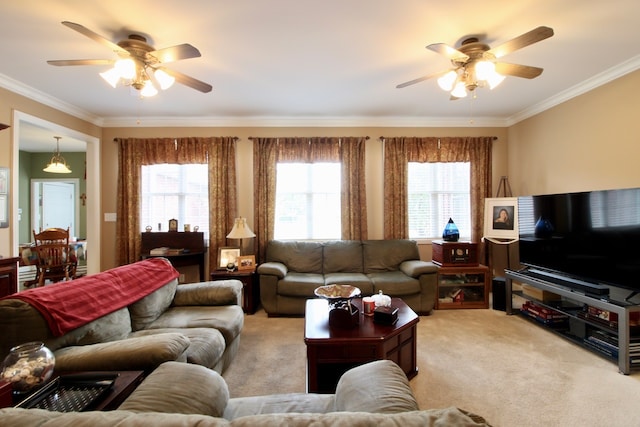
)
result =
(191, 245)
(8, 276)
(463, 287)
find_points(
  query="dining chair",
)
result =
(56, 261)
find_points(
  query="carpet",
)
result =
(504, 368)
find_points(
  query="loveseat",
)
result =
(178, 394)
(294, 269)
(132, 317)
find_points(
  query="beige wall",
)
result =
(586, 143)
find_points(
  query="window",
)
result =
(307, 201)
(175, 191)
(437, 192)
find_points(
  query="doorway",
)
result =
(54, 204)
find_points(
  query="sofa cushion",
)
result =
(139, 353)
(300, 284)
(386, 255)
(394, 283)
(278, 404)
(206, 345)
(356, 279)
(342, 256)
(180, 388)
(146, 310)
(228, 319)
(303, 257)
(391, 393)
(18, 417)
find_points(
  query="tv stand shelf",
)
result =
(579, 328)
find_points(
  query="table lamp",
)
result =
(240, 231)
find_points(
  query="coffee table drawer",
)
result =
(348, 352)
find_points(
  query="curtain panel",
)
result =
(268, 152)
(217, 152)
(398, 152)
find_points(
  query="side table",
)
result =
(250, 287)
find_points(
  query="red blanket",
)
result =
(69, 305)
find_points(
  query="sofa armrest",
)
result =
(219, 292)
(272, 268)
(379, 386)
(415, 268)
(138, 353)
(180, 388)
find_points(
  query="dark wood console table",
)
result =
(191, 242)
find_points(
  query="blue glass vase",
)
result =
(450, 233)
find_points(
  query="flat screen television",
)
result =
(592, 237)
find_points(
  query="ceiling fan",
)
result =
(474, 63)
(139, 65)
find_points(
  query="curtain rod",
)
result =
(251, 138)
(235, 138)
(382, 138)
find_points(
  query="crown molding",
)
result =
(629, 66)
(48, 100)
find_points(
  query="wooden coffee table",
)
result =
(333, 351)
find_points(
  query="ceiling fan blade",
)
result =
(516, 70)
(65, 62)
(521, 41)
(175, 53)
(421, 79)
(187, 80)
(448, 51)
(96, 37)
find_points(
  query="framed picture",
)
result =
(247, 262)
(4, 197)
(227, 255)
(501, 218)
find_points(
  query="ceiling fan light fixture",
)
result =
(148, 89)
(447, 81)
(459, 91)
(164, 80)
(57, 164)
(127, 68)
(111, 76)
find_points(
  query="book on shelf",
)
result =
(175, 251)
(159, 251)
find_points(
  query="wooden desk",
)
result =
(191, 242)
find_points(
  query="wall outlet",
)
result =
(181, 278)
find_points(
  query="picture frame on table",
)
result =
(246, 263)
(227, 255)
(501, 218)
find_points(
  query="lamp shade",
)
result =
(240, 230)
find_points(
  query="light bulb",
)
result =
(446, 82)
(459, 90)
(164, 79)
(148, 89)
(126, 68)
(485, 70)
(111, 76)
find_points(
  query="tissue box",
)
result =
(385, 315)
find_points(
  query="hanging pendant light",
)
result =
(57, 163)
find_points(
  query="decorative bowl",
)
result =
(337, 292)
(28, 366)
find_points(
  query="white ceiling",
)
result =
(314, 63)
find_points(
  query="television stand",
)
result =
(607, 327)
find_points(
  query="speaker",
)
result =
(498, 288)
